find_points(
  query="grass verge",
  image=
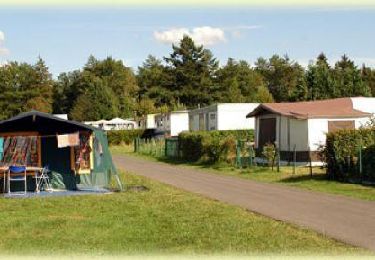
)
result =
(162, 220)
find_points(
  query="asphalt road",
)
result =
(345, 219)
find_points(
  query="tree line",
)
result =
(190, 76)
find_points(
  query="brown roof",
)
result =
(331, 108)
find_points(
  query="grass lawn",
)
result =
(162, 220)
(301, 179)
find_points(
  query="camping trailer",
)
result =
(300, 128)
(113, 124)
(222, 116)
(172, 123)
(35, 139)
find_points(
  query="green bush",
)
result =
(269, 152)
(217, 148)
(191, 145)
(342, 150)
(211, 146)
(123, 136)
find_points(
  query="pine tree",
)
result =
(282, 76)
(348, 79)
(192, 68)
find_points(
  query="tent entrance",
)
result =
(59, 161)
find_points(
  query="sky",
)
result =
(65, 36)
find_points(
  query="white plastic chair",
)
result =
(42, 180)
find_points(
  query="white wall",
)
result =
(179, 122)
(232, 116)
(318, 128)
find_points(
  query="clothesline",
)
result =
(41, 136)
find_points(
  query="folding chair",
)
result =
(42, 180)
(17, 174)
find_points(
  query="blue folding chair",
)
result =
(17, 174)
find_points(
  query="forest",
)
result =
(188, 77)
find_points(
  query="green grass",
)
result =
(301, 179)
(162, 220)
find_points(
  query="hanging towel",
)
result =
(1, 148)
(67, 140)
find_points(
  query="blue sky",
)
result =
(65, 37)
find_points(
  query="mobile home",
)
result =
(172, 123)
(302, 126)
(222, 116)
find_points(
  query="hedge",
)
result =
(342, 152)
(117, 137)
(212, 146)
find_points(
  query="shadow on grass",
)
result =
(221, 166)
(174, 161)
(200, 164)
(307, 177)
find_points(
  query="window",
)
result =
(334, 126)
(212, 121)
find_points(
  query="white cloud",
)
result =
(3, 50)
(205, 35)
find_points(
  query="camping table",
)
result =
(30, 171)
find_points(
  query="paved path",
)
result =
(346, 219)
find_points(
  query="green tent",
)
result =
(31, 139)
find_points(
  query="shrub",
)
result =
(368, 160)
(269, 152)
(342, 150)
(123, 136)
(217, 148)
(211, 146)
(191, 145)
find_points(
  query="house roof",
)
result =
(42, 122)
(331, 108)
